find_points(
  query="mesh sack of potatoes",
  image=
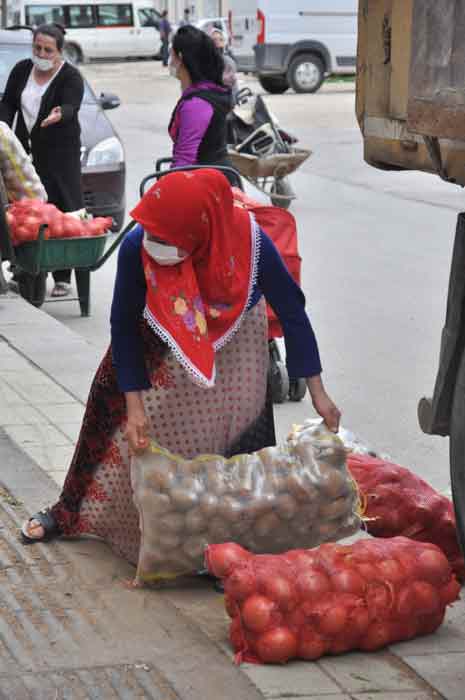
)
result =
(297, 495)
(19, 175)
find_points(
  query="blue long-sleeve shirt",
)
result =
(273, 282)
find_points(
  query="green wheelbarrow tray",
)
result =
(47, 255)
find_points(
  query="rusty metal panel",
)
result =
(436, 104)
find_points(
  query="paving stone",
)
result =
(71, 430)
(37, 434)
(57, 413)
(445, 672)
(58, 476)
(358, 673)
(44, 392)
(299, 678)
(51, 458)
(21, 414)
(420, 695)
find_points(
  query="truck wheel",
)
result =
(306, 73)
(33, 287)
(73, 53)
(275, 85)
(457, 452)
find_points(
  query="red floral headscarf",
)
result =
(197, 305)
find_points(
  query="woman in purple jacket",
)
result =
(198, 122)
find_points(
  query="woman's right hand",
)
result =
(136, 432)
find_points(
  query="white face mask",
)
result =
(43, 64)
(162, 253)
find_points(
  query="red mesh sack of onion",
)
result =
(332, 599)
(397, 502)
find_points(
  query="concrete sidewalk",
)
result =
(69, 628)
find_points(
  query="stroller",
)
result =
(260, 150)
(281, 227)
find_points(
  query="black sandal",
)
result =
(47, 521)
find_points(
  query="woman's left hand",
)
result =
(54, 117)
(323, 404)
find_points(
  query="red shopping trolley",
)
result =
(281, 227)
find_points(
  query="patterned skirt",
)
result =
(233, 417)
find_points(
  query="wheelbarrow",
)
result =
(35, 259)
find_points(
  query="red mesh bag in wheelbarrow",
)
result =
(333, 598)
(281, 227)
(397, 502)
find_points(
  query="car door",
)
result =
(147, 31)
(116, 33)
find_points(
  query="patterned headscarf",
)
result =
(197, 305)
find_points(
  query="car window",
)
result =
(44, 14)
(148, 18)
(115, 16)
(81, 16)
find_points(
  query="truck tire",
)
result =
(274, 84)
(306, 73)
(73, 53)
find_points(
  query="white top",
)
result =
(32, 97)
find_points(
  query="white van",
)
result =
(296, 43)
(113, 29)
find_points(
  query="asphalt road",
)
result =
(376, 251)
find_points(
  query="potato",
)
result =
(173, 522)
(266, 525)
(241, 526)
(183, 499)
(333, 510)
(161, 479)
(276, 481)
(260, 505)
(158, 503)
(194, 547)
(214, 480)
(334, 456)
(329, 530)
(169, 540)
(195, 521)
(208, 504)
(219, 530)
(268, 455)
(299, 485)
(332, 482)
(230, 509)
(286, 506)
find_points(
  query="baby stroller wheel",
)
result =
(279, 381)
(281, 193)
(297, 389)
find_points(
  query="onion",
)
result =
(378, 636)
(240, 584)
(348, 581)
(236, 635)
(277, 646)
(369, 571)
(392, 571)
(379, 598)
(432, 566)
(312, 583)
(404, 630)
(257, 613)
(311, 646)
(426, 598)
(333, 620)
(405, 605)
(231, 606)
(430, 623)
(450, 592)
(222, 558)
(282, 592)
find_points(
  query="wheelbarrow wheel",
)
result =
(297, 389)
(33, 287)
(283, 189)
(457, 452)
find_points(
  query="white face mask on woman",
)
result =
(42, 64)
(162, 253)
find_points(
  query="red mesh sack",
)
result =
(397, 502)
(331, 599)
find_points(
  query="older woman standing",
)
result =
(45, 93)
(189, 357)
